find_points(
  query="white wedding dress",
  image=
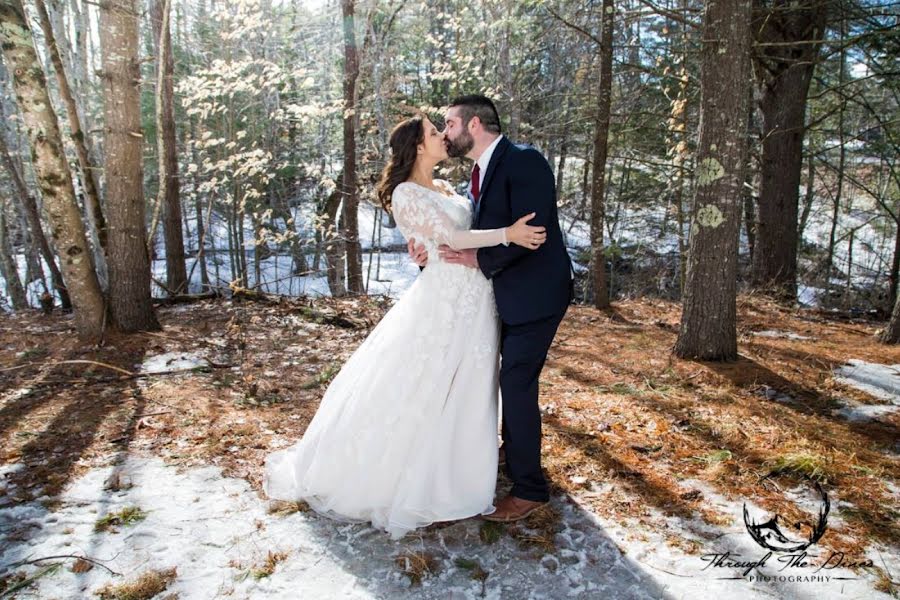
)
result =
(406, 434)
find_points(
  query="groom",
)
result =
(532, 288)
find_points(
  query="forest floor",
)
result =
(144, 456)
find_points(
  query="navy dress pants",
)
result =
(523, 350)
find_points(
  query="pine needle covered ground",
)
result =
(634, 433)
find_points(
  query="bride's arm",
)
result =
(418, 216)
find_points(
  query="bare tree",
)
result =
(168, 198)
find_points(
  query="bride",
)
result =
(406, 434)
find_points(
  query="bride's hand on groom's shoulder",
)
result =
(417, 252)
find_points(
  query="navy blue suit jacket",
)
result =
(528, 284)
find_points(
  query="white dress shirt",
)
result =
(483, 161)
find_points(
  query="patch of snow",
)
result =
(893, 488)
(369, 225)
(172, 361)
(16, 394)
(8, 469)
(856, 412)
(391, 274)
(881, 381)
(684, 575)
(773, 333)
(213, 529)
(577, 233)
(772, 394)
(808, 296)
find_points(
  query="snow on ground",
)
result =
(773, 333)
(214, 529)
(881, 381)
(394, 275)
(854, 411)
(692, 576)
(172, 361)
(870, 242)
(773, 394)
(808, 295)
(633, 228)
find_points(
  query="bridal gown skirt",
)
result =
(406, 434)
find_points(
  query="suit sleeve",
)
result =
(532, 189)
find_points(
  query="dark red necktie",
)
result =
(476, 179)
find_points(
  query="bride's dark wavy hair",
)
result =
(405, 137)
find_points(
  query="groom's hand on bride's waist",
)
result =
(468, 257)
(417, 252)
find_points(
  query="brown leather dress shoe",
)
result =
(512, 509)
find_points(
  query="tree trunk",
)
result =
(891, 333)
(601, 149)
(34, 271)
(92, 194)
(240, 238)
(201, 243)
(783, 72)
(198, 208)
(680, 218)
(51, 168)
(842, 161)
(708, 321)
(129, 262)
(894, 275)
(334, 245)
(585, 185)
(84, 53)
(349, 222)
(506, 72)
(32, 217)
(849, 287)
(79, 57)
(809, 197)
(750, 222)
(563, 154)
(9, 268)
(169, 199)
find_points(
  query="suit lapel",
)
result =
(499, 151)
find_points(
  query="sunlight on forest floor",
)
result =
(662, 452)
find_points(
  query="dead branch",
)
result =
(186, 298)
(37, 560)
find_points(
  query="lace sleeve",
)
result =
(420, 217)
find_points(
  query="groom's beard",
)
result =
(461, 146)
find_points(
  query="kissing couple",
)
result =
(406, 433)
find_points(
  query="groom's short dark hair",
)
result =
(476, 105)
